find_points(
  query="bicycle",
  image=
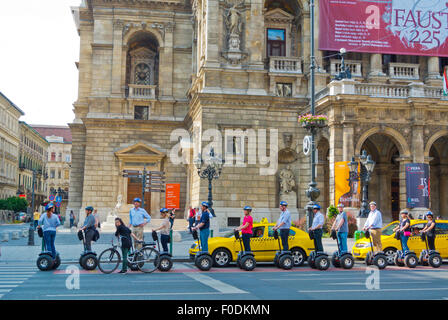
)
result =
(146, 259)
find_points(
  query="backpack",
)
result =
(96, 235)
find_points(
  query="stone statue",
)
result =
(233, 21)
(287, 180)
(117, 206)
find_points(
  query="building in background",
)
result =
(9, 147)
(59, 161)
(33, 155)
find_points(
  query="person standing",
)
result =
(191, 214)
(430, 230)
(138, 218)
(125, 234)
(89, 227)
(246, 228)
(316, 227)
(404, 228)
(36, 217)
(164, 229)
(284, 223)
(374, 223)
(49, 222)
(97, 219)
(204, 226)
(72, 219)
(171, 217)
(197, 216)
(340, 225)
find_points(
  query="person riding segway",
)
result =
(203, 259)
(166, 261)
(430, 255)
(339, 231)
(403, 232)
(88, 233)
(49, 258)
(245, 259)
(317, 258)
(372, 229)
(283, 257)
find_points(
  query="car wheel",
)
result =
(286, 262)
(435, 260)
(322, 263)
(299, 256)
(347, 261)
(380, 261)
(221, 257)
(411, 260)
(390, 255)
(248, 263)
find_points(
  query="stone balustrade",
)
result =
(353, 65)
(405, 71)
(285, 65)
(378, 90)
(142, 91)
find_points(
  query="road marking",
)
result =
(366, 290)
(163, 281)
(8, 285)
(9, 282)
(131, 294)
(363, 283)
(215, 284)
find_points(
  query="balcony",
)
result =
(137, 91)
(404, 71)
(353, 65)
(285, 65)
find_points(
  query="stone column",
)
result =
(116, 57)
(376, 67)
(166, 65)
(418, 144)
(336, 154)
(402, 180)
(443, 188)
(348, 148)
(434, 78)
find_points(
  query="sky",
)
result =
(39, 46)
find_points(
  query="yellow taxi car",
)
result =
(391, 245)
(225, 249)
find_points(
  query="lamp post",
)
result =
(367, 166)
(31, 229)
(344, 72)
(210, 172)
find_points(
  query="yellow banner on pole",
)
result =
(347, 187)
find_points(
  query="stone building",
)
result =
(59, 159)
(147, 68)
(33, 154)
(9, 147)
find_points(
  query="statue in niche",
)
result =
(287, 180)
(233, 21)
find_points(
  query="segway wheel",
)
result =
(335, 260)
(286, 262)
(248, 263)
(89, 262)
(276, 261)
(347, 261)
(45, 262)
(422, 259)
(311, 261)
(398, 261)
(435, 260)
(322, 263)
(57, 262)
(238, 262)
(80, 263)
(380, 261)
(204, 262)
(411, 261)
(368, 259)
(165, 264)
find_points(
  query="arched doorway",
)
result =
(438, 168)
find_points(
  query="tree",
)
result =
(15, 204)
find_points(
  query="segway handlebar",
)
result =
(275, 234)
(195, 235)
(237, 234)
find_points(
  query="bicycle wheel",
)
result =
(148, 259)
(109, 260)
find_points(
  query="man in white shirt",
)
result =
(374, 223)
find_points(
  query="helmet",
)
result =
(341, 205)
(137, 200)
(372, 203)
(316, 206)
(429, 213)
(405, 211)
(90, 208)
(49, 206)
(247, 208)
(204, 203)
(283, 203)
(163, 210)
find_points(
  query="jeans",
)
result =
(404, 242)
(49, 237)
(190, 223)
(124, 253)
(89, 236)
(36, 223)
(246, 241)
(165, 239)
(318, 240)
(203, 235)
(284, 234)
(342, 238)
(72, 222)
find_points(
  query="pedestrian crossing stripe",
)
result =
(11, 276)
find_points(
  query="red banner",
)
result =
(405, 27)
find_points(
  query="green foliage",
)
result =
(15, 204)
(332, 211)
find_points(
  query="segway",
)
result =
(203, 260)
(165, 259)
(317, 259)
(283, 259)
(405, 258)
(45, 260)
(341, 259)
(88, 259)
(378, 259)
(245, 259)
(429, 257)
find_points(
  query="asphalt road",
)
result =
(185, 282)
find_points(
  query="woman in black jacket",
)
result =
(125, 233)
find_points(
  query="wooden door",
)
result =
(135, 191)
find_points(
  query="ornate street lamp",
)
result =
(211, 171)
(367, 166)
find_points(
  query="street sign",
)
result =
(58, 204)
(58, 199)
(306, 145)
(51, 197)
(154, 190)
(22, 195)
